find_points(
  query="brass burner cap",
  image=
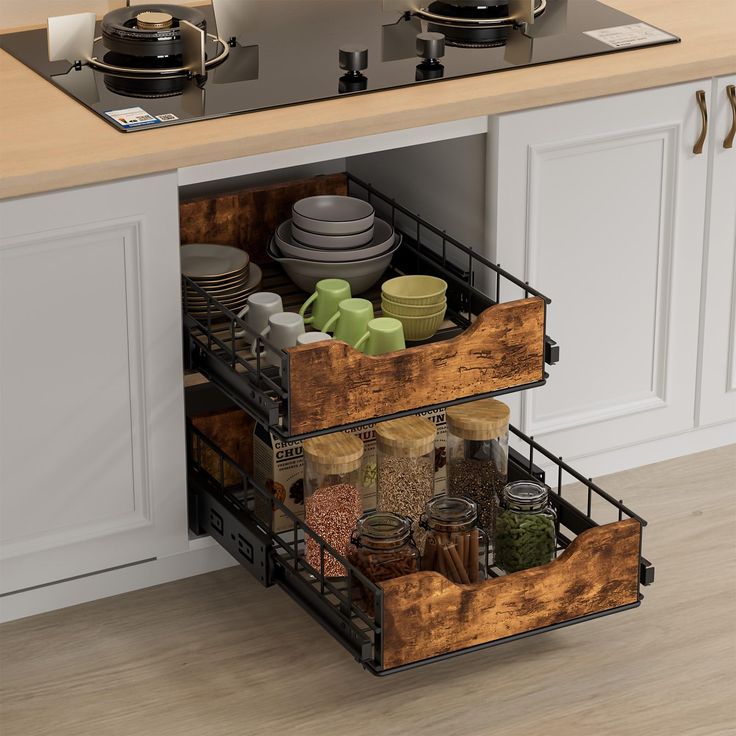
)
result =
(150, 20)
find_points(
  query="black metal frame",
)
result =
(263, 393)
(239, 518)
(232, 516)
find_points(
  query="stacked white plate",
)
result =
(224, 272)
(332, 236)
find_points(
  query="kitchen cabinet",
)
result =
(92, 451)
(718, 322)
(601, 204)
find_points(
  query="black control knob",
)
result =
(353, 59)
(430, 46)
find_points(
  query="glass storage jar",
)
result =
(382, 547)
(405, 467)
(478, 454)
(333, 499)
(454, 544)
(526, 527)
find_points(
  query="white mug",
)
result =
(309, 337)
(283, 331)
(259, 307)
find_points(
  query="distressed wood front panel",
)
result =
(331, 383)
(426, 615)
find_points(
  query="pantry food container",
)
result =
(453, 545)
(526, 530)
(405, 466)
(332, 496)
(382, 547)
(478, 455)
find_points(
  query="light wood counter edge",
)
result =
(46, 161)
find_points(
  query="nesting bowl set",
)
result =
(333, 236)
(418, 302)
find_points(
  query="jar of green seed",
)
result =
(525, 528)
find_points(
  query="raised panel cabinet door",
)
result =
(600, 204)
(717, 401)
(92, 457)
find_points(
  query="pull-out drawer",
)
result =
(492, 342)
(422, 617)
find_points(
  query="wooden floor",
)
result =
(217, 654)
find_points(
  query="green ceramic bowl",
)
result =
(422, 310)
(415, 290)
(419, 328)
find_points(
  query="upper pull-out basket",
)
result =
(492, 342)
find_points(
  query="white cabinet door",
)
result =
(601, 205)
(718, 370)
(92, 454)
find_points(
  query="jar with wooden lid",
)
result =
(405, 466)
(333, 500)
(478, 455)
(382, 547)
(526, 528)
(454, 545)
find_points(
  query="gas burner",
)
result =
(474, 23)
(147, 87)
(144, 51)
(149, 30)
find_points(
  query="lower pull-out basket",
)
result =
(423, 617)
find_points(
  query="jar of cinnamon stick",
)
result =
(381, 547)
(454, 545)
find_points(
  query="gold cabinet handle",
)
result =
(731, 94)
(703, 105)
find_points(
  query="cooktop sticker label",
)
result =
(167, 117)
(131, 117)
(636, 34)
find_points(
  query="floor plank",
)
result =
(219, 655)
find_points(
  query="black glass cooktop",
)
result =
(284, 52)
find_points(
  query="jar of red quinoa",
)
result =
(333, 500)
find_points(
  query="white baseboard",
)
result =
(654, 451)
(204, 555)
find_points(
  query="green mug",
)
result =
(327, 297)
(384, 335)
(351, 320)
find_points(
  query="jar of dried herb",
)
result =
(454, 545)
(333, 500)
(382, 547)
(477, 455)
(405, 466)
(526, 527)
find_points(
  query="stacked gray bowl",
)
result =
(332, 236)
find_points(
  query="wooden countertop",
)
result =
(219, 655)
(62, 144)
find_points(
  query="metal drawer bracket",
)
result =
(230, 527)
